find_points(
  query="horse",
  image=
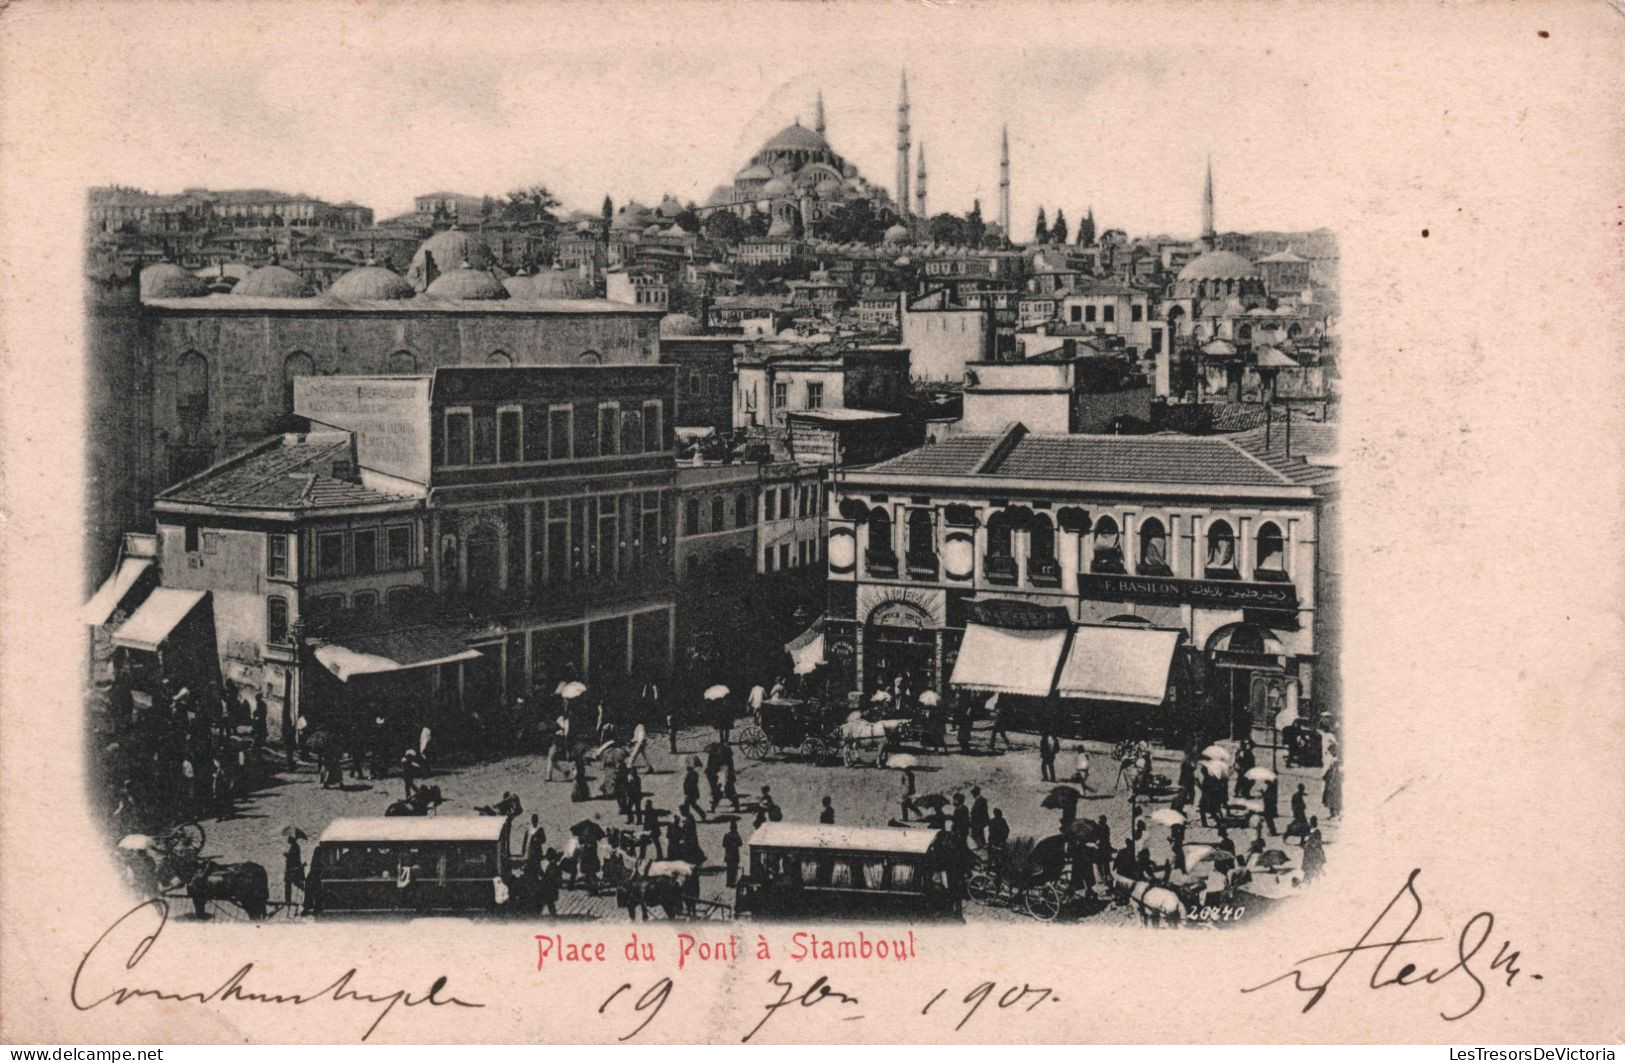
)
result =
(640, 893)
(244, 885)
(1159, 903)
(423, 801)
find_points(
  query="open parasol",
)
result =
(1167, 817)
(903, 760)
(1273, 858)
(588, 830)
(716, 693)
(1217, 769)
(135, 842)
(1084, 830)
(1260, 775)
(1195, 854)
(880, 695)
(573, 689)
(293, 833)
(930, 698)
(679, 869)
(1218, 752)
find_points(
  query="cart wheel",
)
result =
(188, 836)
(1044, 901)
(753, 740)
(981, 885)
(813, 749)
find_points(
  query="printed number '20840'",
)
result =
(1212, 913)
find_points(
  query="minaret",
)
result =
(1209, 237)
(1004, 181)
(818, 123)
(902, 148)
(919, 188)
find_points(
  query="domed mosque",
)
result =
(165, 280)
(273, 282)
(370, 283)
(444, 251)
(466, 282)
(796, 177)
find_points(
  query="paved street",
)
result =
(862, 795)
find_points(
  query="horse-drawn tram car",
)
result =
(407, 865)
(805, 870)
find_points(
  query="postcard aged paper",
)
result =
(788, 523)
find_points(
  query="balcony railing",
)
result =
(999, 569)
(880, 563)
(922, 566)
(1044, 572)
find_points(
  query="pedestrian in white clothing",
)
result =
(1081, 772)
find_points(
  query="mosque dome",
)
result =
(371, 282)
(165, 280)
(273, 282)
(518, 285)
(756, 172)
(561, 284)
(796, 137)
(1218, 265)
(466, 282)
(778, 186)
(679, 325)
(447, 248)
(897, 234)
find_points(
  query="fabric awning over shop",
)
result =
(396, 651)
(111, 594)
(1008, 661)
(158, 616)
(1108, 663)
(807, 648)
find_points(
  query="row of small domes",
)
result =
(165, 280)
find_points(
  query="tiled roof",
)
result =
(1108, 459)
(289, 472)
(1310, 439)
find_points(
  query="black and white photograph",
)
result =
(601, 473)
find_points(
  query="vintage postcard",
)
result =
(773, 523)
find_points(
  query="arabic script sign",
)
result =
(1191, 591)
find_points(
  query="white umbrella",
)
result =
(423, 740)
(903, 760)
(1167, 817)
(930, 698)
(716, 693)
(1260, 775)
(1195, 854)
(1218, 769)
(135, 842)
(573, 689)
(880, 695)
(1217, 752)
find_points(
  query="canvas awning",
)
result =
(110, 595)
(395, 651)
(1008, 661)
(157, 617)
(807, 648)
(1110, 663)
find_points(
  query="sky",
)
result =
(378, 104)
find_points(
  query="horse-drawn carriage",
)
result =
(1025, 874)
(171, 865)
(810, 728)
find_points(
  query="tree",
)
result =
(726, 226)
(1057, 232)
(1041, 229)
(757, 223)
(608, 210)
(947, 229)
(1086, 229)
(688, 220)
(855, 220)
(975, 227)
(531, 204)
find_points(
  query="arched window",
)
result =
(1042, 567)
(276, 620)
(882, 555)
(922, 539)
(1271, 554)
(1221, 551)
(500, 358)
(397, 599)
(741, 510)
(364, 603)
(484, 570)
(719, 514)
(1153, 548)
(298, 364)
(691, 517)
(1108, 547)
(192, 383)
(999, 565)
(589, 358)
(403, 362)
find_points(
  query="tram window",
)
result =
(874, 874)
(809, 872)
(474, 862)
(902, 875)
(840, 873)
